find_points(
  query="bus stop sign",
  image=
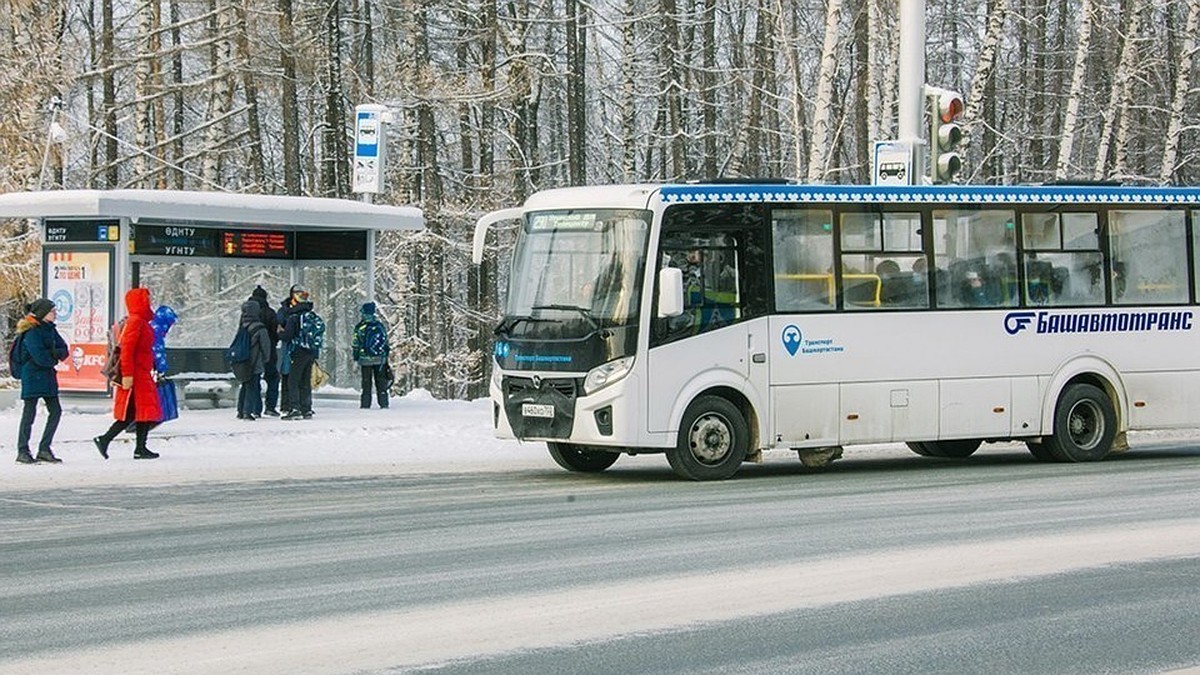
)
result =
(369, 143)
(893, 163)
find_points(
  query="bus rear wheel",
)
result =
(581, 458)
(1085, 424)
(713, 440)
(958, 449)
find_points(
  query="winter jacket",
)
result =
(260, 343)
(270, 321)
(283, 355)
(137, 360)
(41, 349)
(291, 328)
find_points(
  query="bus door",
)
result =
(720, 339)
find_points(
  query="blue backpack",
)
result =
(312, 332)
(239, 350)
(372, 339)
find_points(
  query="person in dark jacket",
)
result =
(250, 372)
(136, 399)
(271, 369)
(369, 348)
(283, 356)
(301, 359)
(39, 351)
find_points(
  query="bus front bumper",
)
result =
(553, 408)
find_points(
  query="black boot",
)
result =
(144, 453)
(101, 445)
(47, 456)
(23, 457)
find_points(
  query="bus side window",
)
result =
(803, 260)
(883, 260)
(1062, 259)
(1151, 246)
(975, 254)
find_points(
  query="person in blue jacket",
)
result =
(39, 350)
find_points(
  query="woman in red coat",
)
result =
(136, 400)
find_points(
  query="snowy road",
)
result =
(887, 563)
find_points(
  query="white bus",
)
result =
(711, 322)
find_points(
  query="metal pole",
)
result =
(55, 106)
(912, 78)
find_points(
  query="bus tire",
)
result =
(1039, 451)
(957, 449)
(1085, 424)
(713, 440)
(581, 458)
(920, 448)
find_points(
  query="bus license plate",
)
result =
(537, 410)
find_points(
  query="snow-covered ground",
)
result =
(417, 434)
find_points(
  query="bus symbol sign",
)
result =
(792, 337)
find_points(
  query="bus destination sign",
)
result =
(256, 244)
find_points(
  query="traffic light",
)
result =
(945, 107)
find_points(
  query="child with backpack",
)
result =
(304, 331)
(248, 356)
(35, 352)
(369, 348)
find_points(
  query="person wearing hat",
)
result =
(300, 358)
(283, 354)
(37, 350)
(271, 368)
(369, 348)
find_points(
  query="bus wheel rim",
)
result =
(710, 438)
(1085, 424)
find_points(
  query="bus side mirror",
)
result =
(670, 292)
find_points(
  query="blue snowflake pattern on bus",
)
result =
(980, 194)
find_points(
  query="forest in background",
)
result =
(496, 99)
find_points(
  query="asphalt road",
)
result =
(878, 565)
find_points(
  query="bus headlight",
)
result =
(602, 376)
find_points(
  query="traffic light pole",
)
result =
(911, 83)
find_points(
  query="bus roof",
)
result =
(645, 195)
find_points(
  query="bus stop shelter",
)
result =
(202, 254)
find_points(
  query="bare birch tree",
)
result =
(1183, 80)
(820, 151)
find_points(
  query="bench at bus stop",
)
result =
(202, 378)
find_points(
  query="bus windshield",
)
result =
(579, 265)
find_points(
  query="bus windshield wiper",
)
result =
(583, 311)
(509, 322)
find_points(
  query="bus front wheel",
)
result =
(713, 440)
(581, 458)
(919, 448)
(1085, 424)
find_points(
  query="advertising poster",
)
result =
(80, 285)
